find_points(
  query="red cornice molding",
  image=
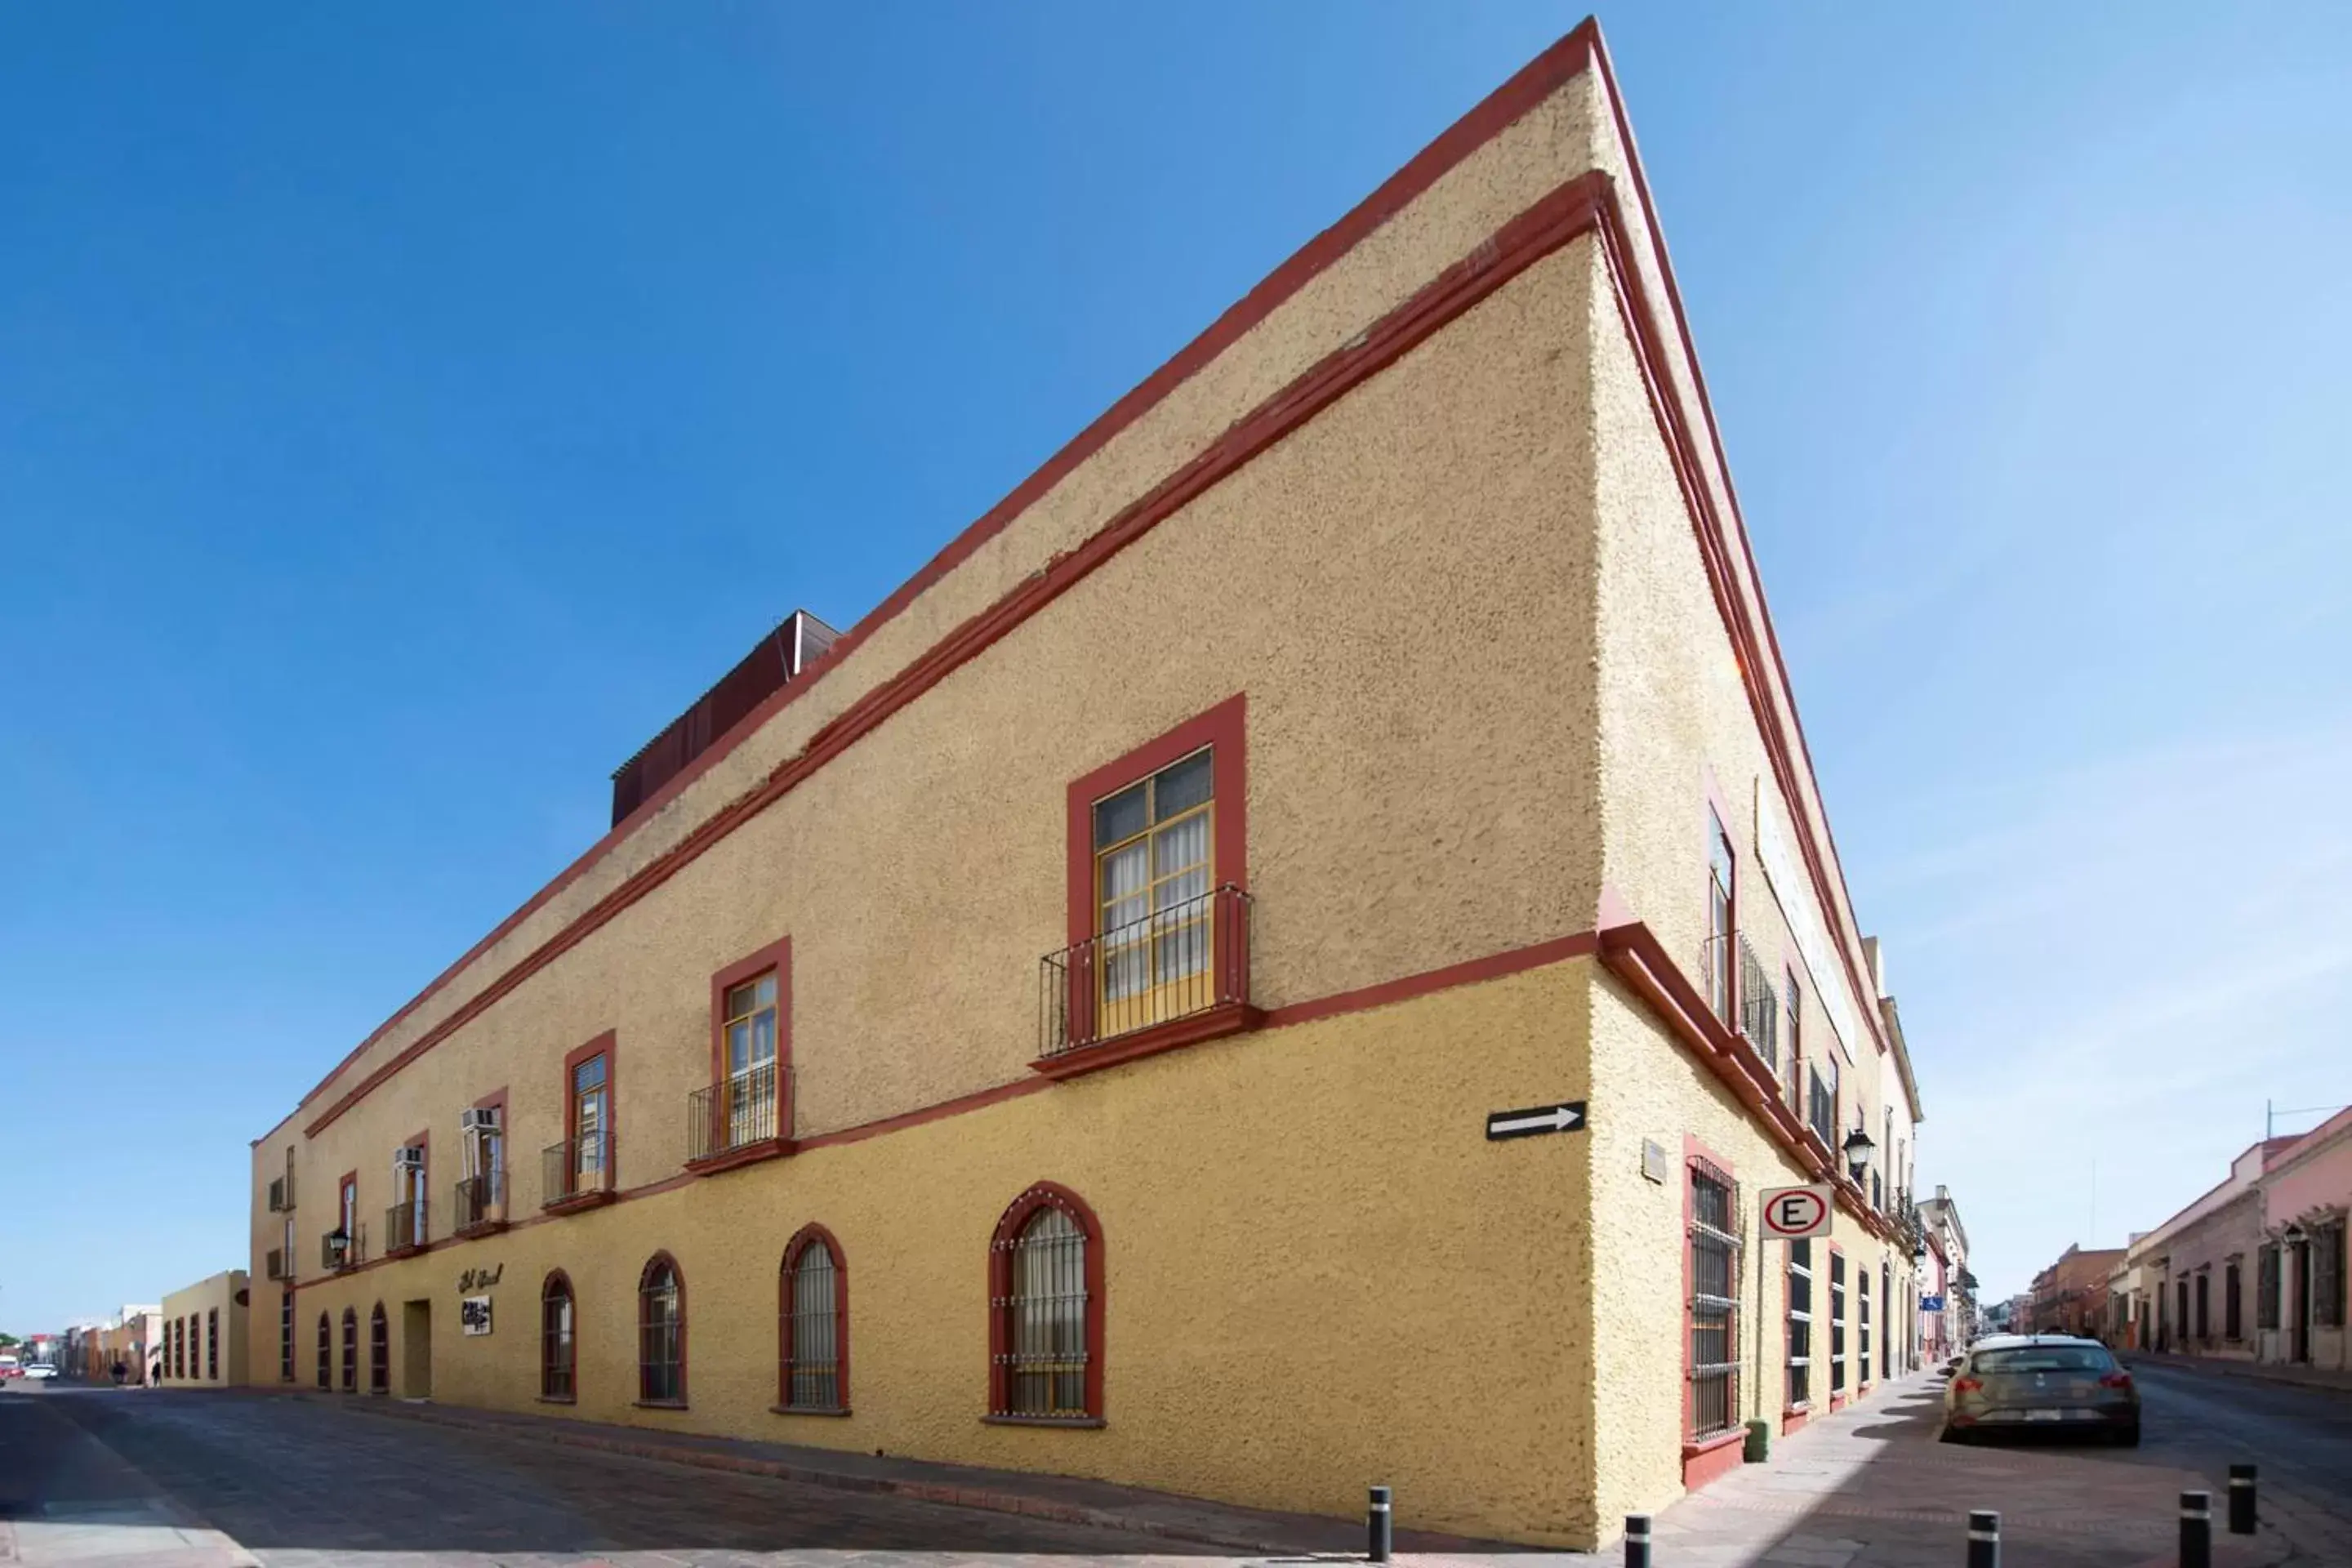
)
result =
(1536, 81)
(1588, 203)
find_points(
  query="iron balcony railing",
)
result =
(1759, 1007)
(478, 1201)
(576, 1168)
(277, 1263)
(1188, 958)
(743, 1110)
(281, 1195)
(404, 1225)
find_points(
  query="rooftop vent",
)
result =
(798, 641)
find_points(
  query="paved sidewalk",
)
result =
(2259, 1371)
(1871, 1487)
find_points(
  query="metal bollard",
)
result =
(2242, 1500)
(1984, 1539)
(1383, 1533)
(1637, 1541)
(2196, 1530)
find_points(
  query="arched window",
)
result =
(379, 1351)
(661, 1334)
(326, 1351)
(558, 1352)
(1046, 1322)
(812, 1328)
(351, 1351)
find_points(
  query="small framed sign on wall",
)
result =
(473, 1315)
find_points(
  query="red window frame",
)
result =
(676, 1401)
(606, 1045)
(1706, 1458)
(1723, 958)
(1225, 729)
(1001, 1305)
(786, 1358)
(569, 1361)
(351, 1379)
(326, 1379)
(777, 956)
(347, 1213)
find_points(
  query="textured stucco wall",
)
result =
(1320, 1274)
(1543, 149)
(1420, 778)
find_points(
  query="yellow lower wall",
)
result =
(1319, 1275)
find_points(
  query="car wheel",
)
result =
(1954, 1434)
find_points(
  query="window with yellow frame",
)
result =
(1154, 878)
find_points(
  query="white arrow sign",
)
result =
(1566, 1118)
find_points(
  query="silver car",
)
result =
(2045, 1382)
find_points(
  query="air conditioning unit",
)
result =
(408, 1159)
(484, 1119)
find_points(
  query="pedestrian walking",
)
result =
(120, 1371)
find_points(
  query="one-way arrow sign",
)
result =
(1536, 1119)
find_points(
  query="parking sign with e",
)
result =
(1792, 1214)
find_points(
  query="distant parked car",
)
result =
(40, 1372)
(10, 1367)
(2046, 1383)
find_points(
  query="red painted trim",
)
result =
(1224, 727)
(1043, 1194)
(1494, 967)
(799, 1244)
(1712, 1460)
(572, 1346)
(608, 1045)
(1794, 1420)
(1216, 1022)
(1693, 1152)
(1569, 211)
(661, 1260)
(1535, 82)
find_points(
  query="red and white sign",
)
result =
(1792, 1214)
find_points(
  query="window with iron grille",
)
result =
(1047, 1278)
(661, 1334)
(379, 1351)
(1792, 1009)
(2180, 1309)
(2266, 1288)
(1759, 1008)
(2233, 1326)
(1721, 870)
(2327, 1276)
(211, 1343)
(1837, 1321)
(2204, 1320)
(1862, 1331)
(556, 1349)
(1799, 1392)
(286, 1335)
(812, 1325)
(1713, 1360)
(326, 1351)
(351, 1351)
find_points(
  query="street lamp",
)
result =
(1857, 1152)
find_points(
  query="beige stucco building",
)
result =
(1375, 719)
(202, 1338)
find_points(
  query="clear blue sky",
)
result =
(403, 414)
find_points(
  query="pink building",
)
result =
(2300, 1288)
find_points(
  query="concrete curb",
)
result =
(2252, 1371)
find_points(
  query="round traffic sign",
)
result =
(1797, 1212)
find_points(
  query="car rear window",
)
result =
(2045, 1358)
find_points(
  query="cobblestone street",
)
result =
(98, 1478)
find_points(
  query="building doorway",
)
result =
(2298, 1314)
(416, 1349)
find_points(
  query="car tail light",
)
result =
(1967, 1384)
(2115, 1379)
